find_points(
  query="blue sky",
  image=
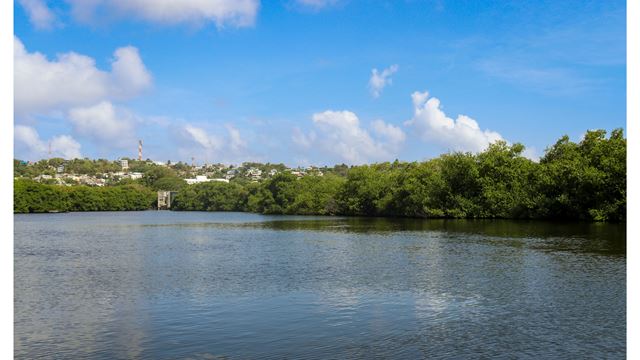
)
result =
(293, 80)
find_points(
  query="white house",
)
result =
(201, 179)
(254, 174)
(135, 175)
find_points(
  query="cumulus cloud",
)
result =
(392, 133)
(379, 80)
(129, 76)
(461, 134)
(42, 85)
(61, 146)
(200, 137)
(29, 137)
(238, 13)
(39, 14)
(340, 135)
(66, 146)
(194, 141)
(104, 123)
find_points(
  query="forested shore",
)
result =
(571, 181)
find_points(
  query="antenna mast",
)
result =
(139, 150)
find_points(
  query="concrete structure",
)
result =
(165, 199)
(124, 164)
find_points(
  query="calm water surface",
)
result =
(170, 285)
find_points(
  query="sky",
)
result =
(312, 82)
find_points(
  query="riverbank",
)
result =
(572, 181)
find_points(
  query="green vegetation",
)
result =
(581, 181)
(30, 196)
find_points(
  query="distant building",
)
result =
(60, 169)
(202, 179)
(254, 174)
(124, 164)
(43, 177)
(230, 174)
(165, 199)
(136, 175)
(273, 172)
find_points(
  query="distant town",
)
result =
(103, 172)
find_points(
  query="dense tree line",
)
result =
(584, 180)
(34, 197)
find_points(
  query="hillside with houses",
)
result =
(103, 172)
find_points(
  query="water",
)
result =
(171, 285)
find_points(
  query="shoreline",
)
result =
(336, 216)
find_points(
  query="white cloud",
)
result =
(66, 146)
(379, 80)
(339, 134)
(531, 153)
(61, 146)
(72, 79)
(236, 13)
(29, 137)
(40, 16)
(194, 141)
(236, 142)
(393, 133)
(432, 124)
(202, 138)
(128, 73)
(104, 123)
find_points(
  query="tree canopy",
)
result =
(582, 181)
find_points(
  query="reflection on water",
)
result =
(166, 285)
